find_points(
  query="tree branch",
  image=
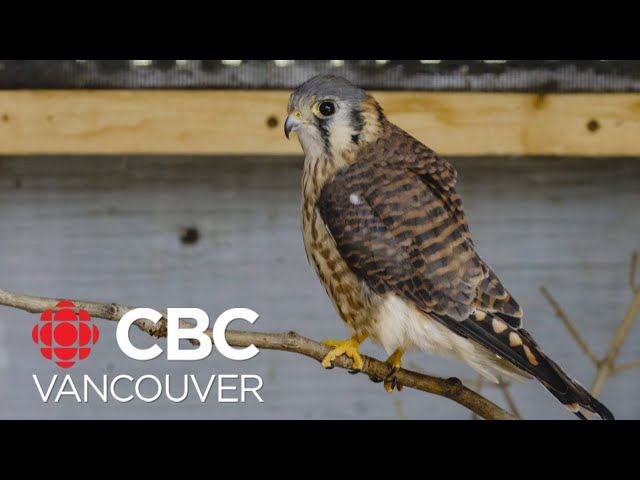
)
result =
(623, 368)
(506, 393)
(605, 366)
(560, 313)
(504, 386)
(451, 388)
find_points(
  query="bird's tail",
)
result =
(567, 390)
(515, 346)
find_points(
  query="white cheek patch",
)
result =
(311, 142)
(355, 199)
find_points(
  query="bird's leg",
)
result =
(395, 361)
(345, 347)
(390, 381)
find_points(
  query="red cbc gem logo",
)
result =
(66, 335)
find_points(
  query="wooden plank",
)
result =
(250, 122)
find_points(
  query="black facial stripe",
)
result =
(380, 113)
(323, 126)
(357, 123)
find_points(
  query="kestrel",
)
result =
(386, 233)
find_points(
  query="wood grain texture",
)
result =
(250, 122)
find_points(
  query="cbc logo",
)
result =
(66, 336)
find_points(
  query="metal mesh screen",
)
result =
(539, 76)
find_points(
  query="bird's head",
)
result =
(330, 115)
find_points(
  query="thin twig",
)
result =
(506, 393)
(606, 365)
(560, 313)
(505, 388)
(623, 368)
(451, 388)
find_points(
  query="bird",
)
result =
(386, 233)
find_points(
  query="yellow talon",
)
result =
(395, 362)
(345, 347)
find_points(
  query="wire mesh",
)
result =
(538, 76)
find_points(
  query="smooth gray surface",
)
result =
(108, 229)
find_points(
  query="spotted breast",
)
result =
(349, 295)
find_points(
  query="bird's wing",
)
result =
(402, 230)
(399, 235)
(400, 225)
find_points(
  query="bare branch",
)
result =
(625, 367)
(560, 313)
(504, 386)
(451, 388)
(477, 385)
(506, 393)
(606, 368)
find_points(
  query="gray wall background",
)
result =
(108, 228)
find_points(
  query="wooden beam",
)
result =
(250, 122)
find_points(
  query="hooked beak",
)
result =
(292, 123)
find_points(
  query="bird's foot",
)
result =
(391, 381)
(344, 347)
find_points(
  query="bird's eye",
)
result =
(326, 109)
